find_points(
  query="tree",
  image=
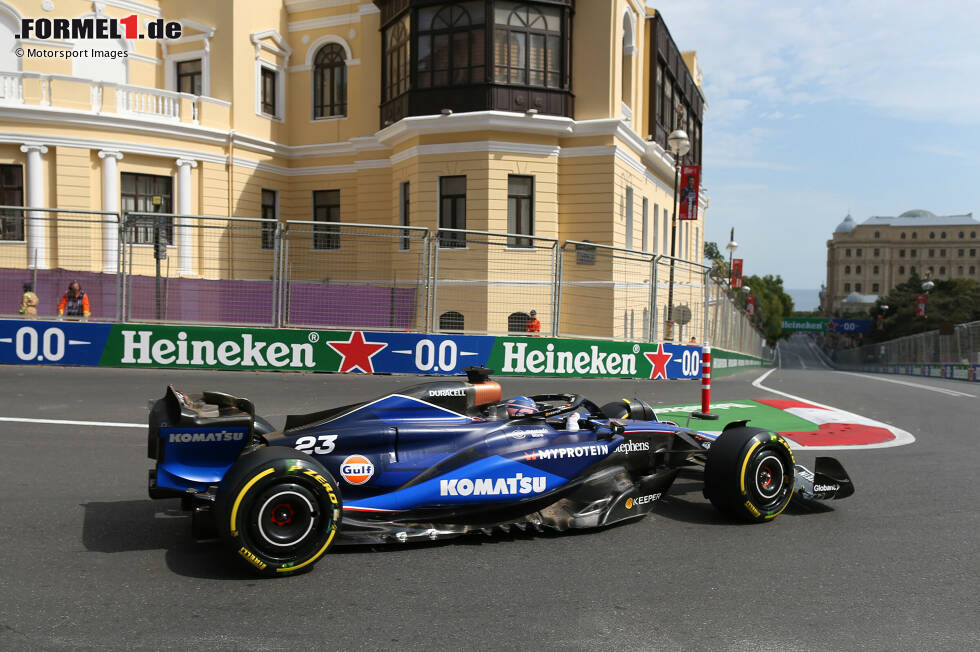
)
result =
(719, 266)
(772, 304)
(955, 301)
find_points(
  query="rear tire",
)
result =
(750, 474)
(279, 510)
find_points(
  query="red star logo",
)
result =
(659, 360)
(357, 353)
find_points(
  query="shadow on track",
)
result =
(130, 525)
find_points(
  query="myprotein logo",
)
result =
(567, 452)
(98, 28)
(145, 347)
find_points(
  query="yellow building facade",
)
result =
(546, 119)
(867, 260)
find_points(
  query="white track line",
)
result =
(941, 390)
(61, 422)
(902, 437)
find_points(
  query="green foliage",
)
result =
(772, 304)
(955, 301)
(719, 266)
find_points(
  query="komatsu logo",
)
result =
(493, 486)
(213, 436)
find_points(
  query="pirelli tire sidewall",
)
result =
(750, 474)
(279, 510)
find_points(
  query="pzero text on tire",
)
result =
(279, 509)
(749, 474)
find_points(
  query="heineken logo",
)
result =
(519, 359)
(148, 347)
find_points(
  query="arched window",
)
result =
(857, 270)
(451, 321)
(903, 235)
(517, 322)
(874, 270)
(942, 270)
(451, 47)
(959, 271)
(961, 235)
(942, 236)
(629, 48)
(527, 45)
(877, 234)
(847, 269)
(901, 270)
(973, 270)
(395, 67)
(330, 82)
(932, 235)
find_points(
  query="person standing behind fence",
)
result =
(28, 304)
(533, 325)
(74, 302)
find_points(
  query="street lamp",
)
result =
(679, 144)
(731, 247)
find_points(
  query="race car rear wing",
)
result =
(195, 438)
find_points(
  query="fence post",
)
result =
(434, 294)
(559, 268)
(653, 291)
(276, 275)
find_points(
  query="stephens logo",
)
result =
(65, 29)
(632, 446)
(356, 469)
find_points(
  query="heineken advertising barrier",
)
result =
(825, 325)
(208, 347)
(725, 363)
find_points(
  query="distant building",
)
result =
(867, 260)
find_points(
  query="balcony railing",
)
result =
(106, 97)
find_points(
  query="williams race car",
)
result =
(448, 457)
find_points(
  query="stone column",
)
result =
(37, 250)
(184, 239)
(110, 203)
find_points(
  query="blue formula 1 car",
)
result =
(444, 458)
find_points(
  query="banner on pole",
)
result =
(690, 183)
(920, 306)
(736, 281)
(750, 305)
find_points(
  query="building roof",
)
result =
(846, 226)
(920, 217)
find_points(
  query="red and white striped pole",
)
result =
(706, 378)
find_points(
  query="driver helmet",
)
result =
(519, 406)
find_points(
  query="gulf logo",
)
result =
(356, 469)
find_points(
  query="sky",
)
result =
(817, 109)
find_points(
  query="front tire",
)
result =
(750, 474)
(279, 510)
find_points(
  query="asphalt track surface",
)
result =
(88, 561)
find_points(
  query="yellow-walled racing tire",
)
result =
(279, 510)
(750, 474)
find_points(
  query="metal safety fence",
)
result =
(490, 283)
(960, 345)
(201, 269)
(729, 327)
(342, 275)
(47, 249)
